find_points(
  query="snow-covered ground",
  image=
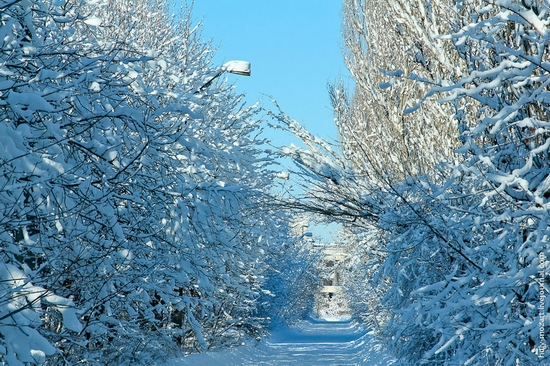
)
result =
(309, 342)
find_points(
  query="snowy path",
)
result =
(310, 342)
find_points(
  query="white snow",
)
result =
(237, 67)
(94, 21)
(309, 342)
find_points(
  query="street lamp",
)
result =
(237, 67)
(233, 67)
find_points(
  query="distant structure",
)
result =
(334, 258)
(300, 225)
(331, 300)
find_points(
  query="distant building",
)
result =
(300, 225)
(334, 258)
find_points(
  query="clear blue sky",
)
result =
(294, 49)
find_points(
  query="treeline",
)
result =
(442, 181)
(134, 219)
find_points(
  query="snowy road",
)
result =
(310, 342)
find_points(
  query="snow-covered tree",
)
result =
(400, 39)
(292, 281)
(459, 255)
(133, 215)
(497, 201)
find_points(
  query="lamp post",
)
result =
(233, 67)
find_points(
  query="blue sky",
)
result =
(294, 49)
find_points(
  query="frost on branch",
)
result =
(20, 312)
